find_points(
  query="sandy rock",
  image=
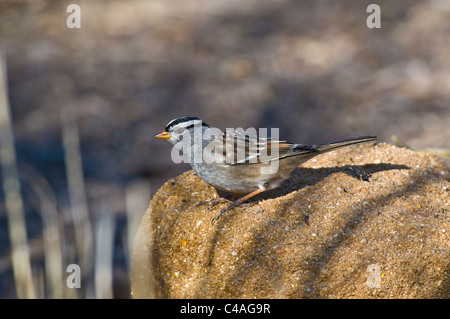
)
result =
(361, 222)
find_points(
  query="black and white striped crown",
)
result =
(185, 122)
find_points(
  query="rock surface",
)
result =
(361, 222)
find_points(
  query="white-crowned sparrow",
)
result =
(250, 173)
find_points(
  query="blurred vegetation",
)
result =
(85, 104)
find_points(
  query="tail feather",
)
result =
(344, 143)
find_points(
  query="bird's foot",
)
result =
(213, 202)
(237, 202)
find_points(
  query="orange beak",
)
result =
(163, 135)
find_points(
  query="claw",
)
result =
(221, 213)
(215, 218)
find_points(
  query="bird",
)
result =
(238, 161)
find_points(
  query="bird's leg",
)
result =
(236, 203)
(227, 198)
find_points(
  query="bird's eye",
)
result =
(179, 130)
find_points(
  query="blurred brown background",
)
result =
(311, 68)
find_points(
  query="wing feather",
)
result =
(239, 147)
